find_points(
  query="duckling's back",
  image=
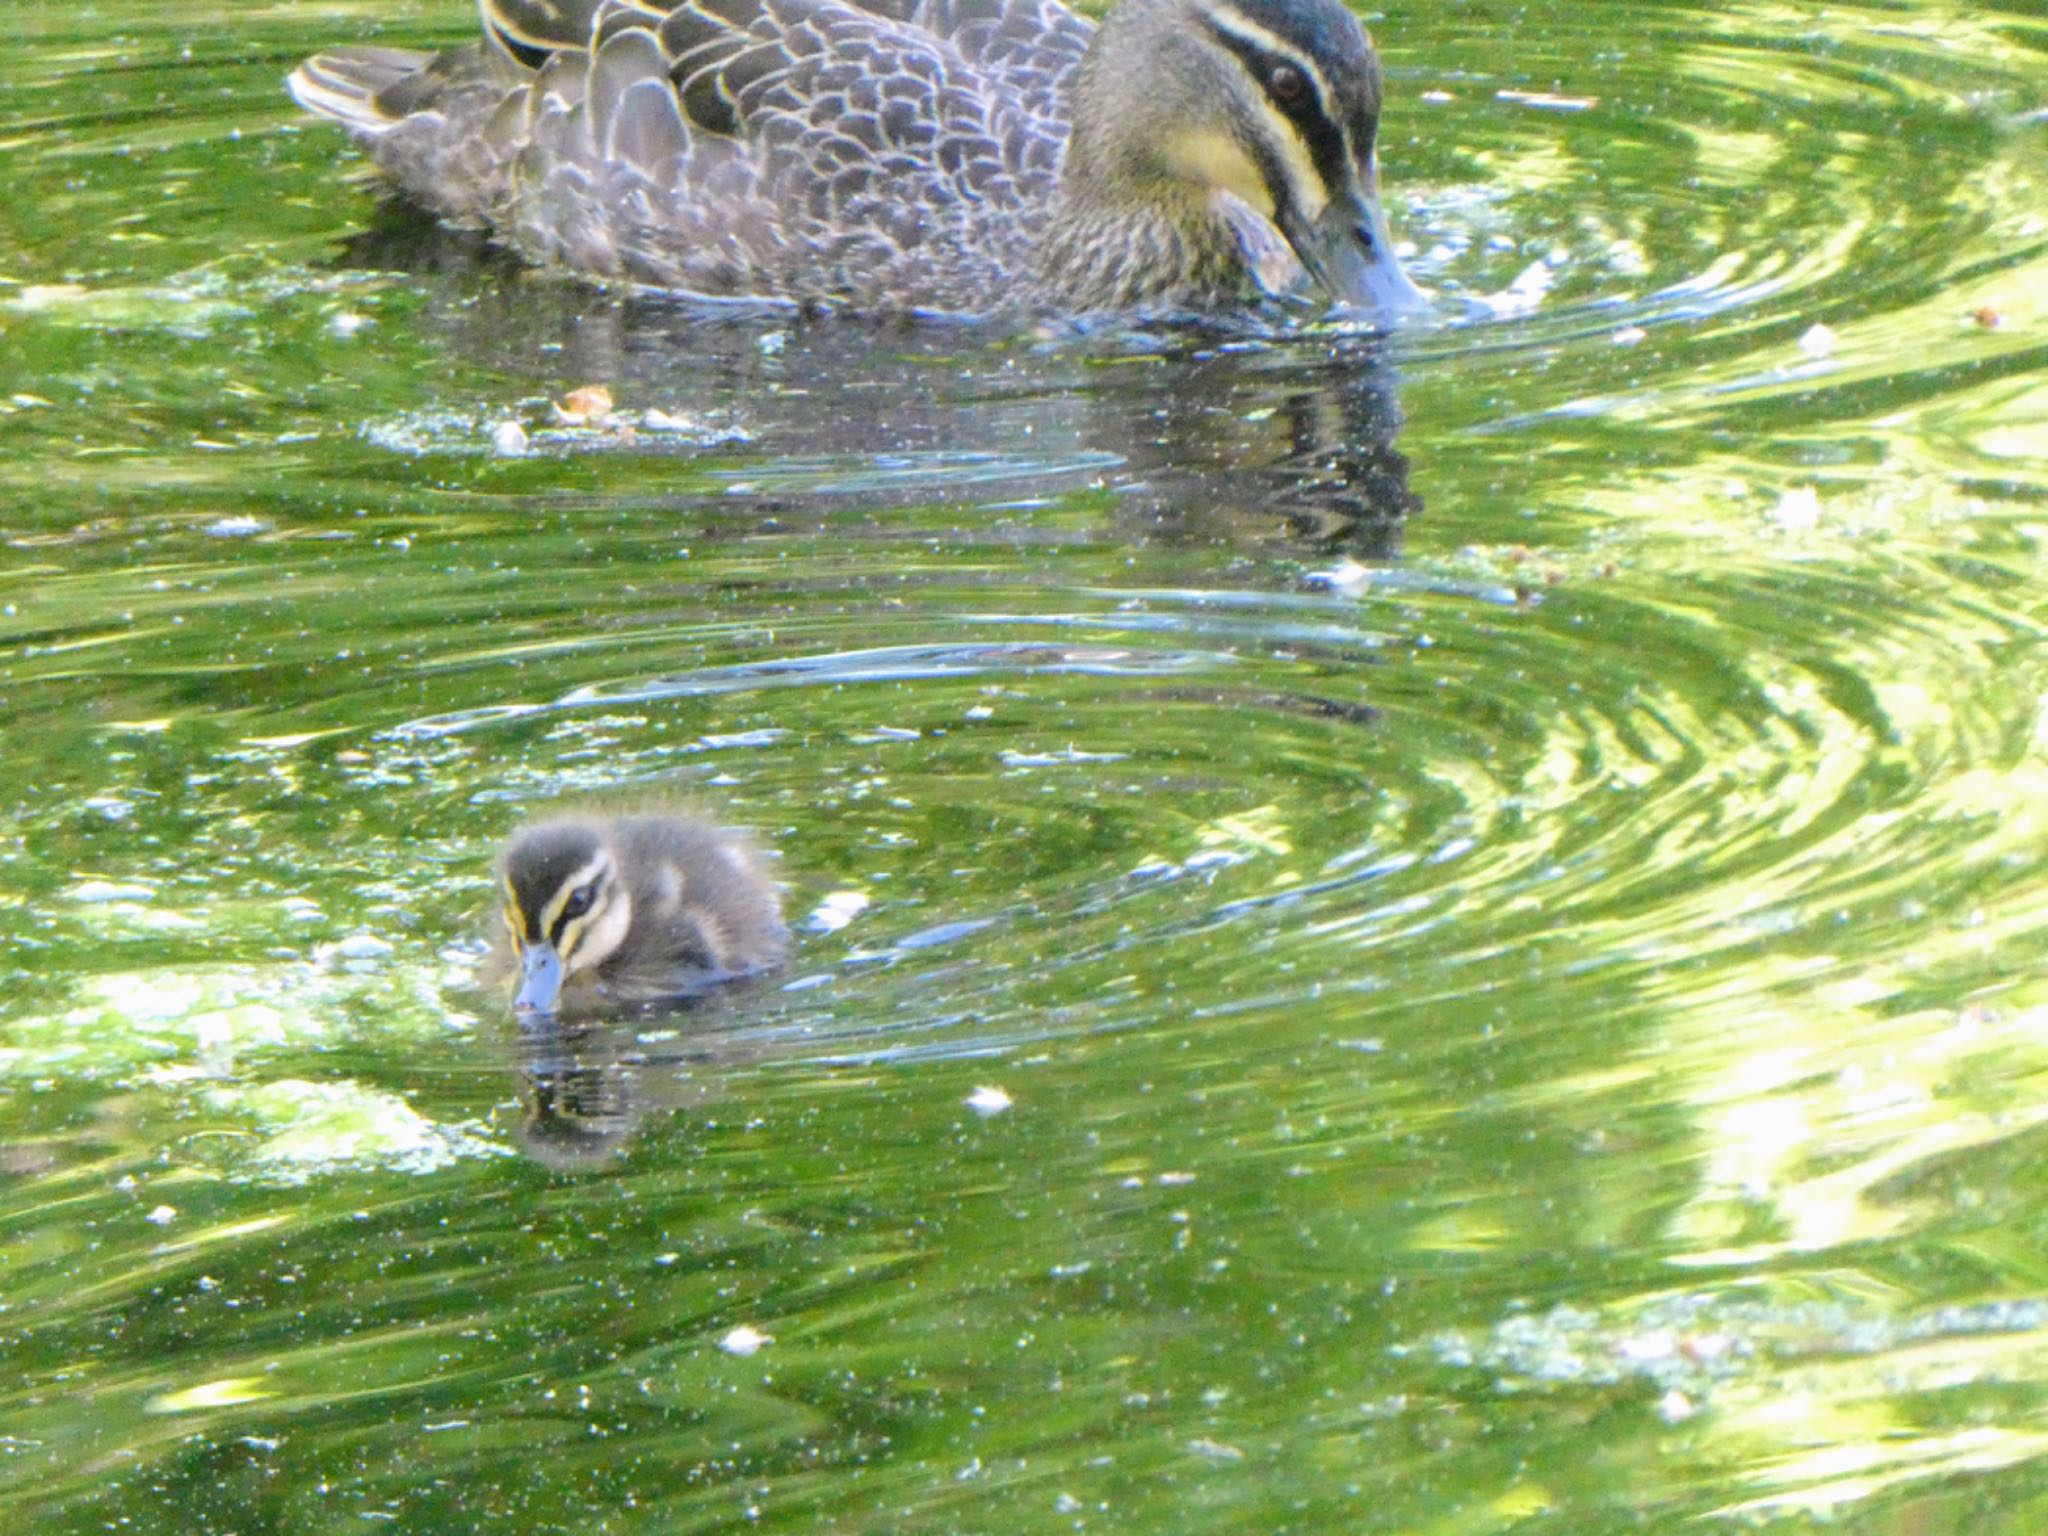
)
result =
(701, 898)
(878, 153)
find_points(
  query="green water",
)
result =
(1500, 871)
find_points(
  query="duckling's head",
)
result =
(566, 907)
(1259, 113)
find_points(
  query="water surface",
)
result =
(1434, 933)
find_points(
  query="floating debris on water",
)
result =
(836, 911)
(1547, 100)
(575, 424)
(1818, 342)
(1798, 510)
(580, 407)
(988, 1101)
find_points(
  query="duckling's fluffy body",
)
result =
(604, 913)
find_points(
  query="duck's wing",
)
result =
(809, 149)
(1029, 46)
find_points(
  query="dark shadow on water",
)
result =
(1280, 443)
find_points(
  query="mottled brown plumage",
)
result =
(605, 913)
(965, 156)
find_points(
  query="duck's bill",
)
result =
(1349, 251)
(540, 980)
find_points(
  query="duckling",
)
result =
(604, 913)
(951, 156)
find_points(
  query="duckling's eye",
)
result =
(579, 901)
(1287, 85)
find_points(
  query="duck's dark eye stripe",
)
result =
(1305, 109)
(1365, 127)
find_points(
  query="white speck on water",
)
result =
(1658, 1344)
(1818, 342)
(1346, 580)
(1524, 294)
(1548, 101)
(1798, 510)
(234, 527)
(347, 322)
(509, 440)
(1630, 336)
(1069, 754)
(836, 911)
(362, 946)
(988, 1101)
(106, 891)
(745, 1340)
(163, 1215)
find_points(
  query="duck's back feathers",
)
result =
(811, 150)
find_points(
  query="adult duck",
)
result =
(949, 156)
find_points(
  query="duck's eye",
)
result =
(579, 901)
(1287, 85)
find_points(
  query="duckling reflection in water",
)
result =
(608, 913)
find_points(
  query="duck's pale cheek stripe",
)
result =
(1301, 143)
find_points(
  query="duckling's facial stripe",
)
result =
(515, 916)
(592, 938)
(592, 869)
(1306, 139)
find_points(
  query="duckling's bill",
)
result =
(540, 980)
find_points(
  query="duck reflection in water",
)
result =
(586, 1086)
(1271, 441)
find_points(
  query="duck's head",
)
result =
(1259, 113)
(566, 908)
